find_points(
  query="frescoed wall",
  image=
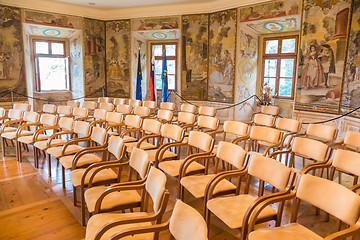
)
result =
(52, 19)
(351, 87)
(222, 48)
(12, 68)
(76, 65)
(194, 65)
(322, 55)
(159, 23)
(139, 43)
(94, 59)
(118, 58)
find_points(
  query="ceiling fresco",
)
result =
(40, 30)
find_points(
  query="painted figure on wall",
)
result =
(326, 57)
(313, 74)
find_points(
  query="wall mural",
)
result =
(138, 42)
(12, 69)
(94, 60)
(269, 10)
(158, 23)
(285, 24)
(76, 65)
(222, 45)
(194, 54)
(52, 19)
(118, 58)
(351, 89)
(322, 55)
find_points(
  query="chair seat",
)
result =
(103, 175)
(56, 151)
(293, 231)
(173, 167)
(12, 135)
(196, 185)
(29, 139)
(144, 145)
(43, 144)
(112, 200)
(167, 154)
(84, 160)
(129, 139)
(97, 221)
(231, 210)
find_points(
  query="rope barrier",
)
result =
(4, 93)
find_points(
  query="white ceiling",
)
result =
(108, 4)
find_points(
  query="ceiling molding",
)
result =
(131, 12)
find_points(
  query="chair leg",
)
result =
(35, 152)
(207, 219)
(49, 164)
(74, 192)
(3, 146)
(82, 196)
(63, 176)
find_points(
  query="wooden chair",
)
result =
(289, 127)
(64, 111)
(167, 106)
(150, 104)
(81, 159)
(329, 196)
(238, 130)
(350, 142)
(114, 121)
(199, 141)
(321, 132)
(124, 109)
(73, 104)
(119, 101)
(185, 120)
(132, 127)
(134, 103)
(235, 211)
(270, 110)
(49, 108)
(164, 116)
(207, 124)
(186, 107)
(235, 158)
(143, 112)
(207, 111)
(99, 117)
(100, 225)
(80, 114)
(262, 136)
(260, 119)
(184, 223)
(109, 107)
(3, 116)
(24, 107)
(103, 100)
(138, 164)
(89, 105)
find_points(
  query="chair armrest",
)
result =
(162, 149)
(72, 142)
(152, 136)
(43, 129)
(314, 166)
(129, 131)
(351, 231)
(93, 123)
(85, 151)
(189, 159)
(100, 167)
(23, 126)
(274, 154)
(239, 139)
(270, 147)
(355, 188)
(5, 124)
(55, 135)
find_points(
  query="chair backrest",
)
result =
(207, 111)
(155, 186)
(347, 161)
(231, 153)
(287, 124)
(201, 140)
(172, 132)
(186, 107)
(185, 117)
(119, 101)
(309, 147)
(15, 114)
(269, 170)
(321, 131)
(208, 122)
(331, 197)
(133, 121)
(167, 106)
(100, 114)
(73, 104)
(49, 108)
(103, 100)
(109, 107)
(142, 111)
(98, 135)
(66, 123)
(134, 102)
(114, 117)
(49, 120)
(2, 112)
(151, 126)
(165, 115)
(116, 146)
(187, 223)
(352, 139)
(31, 117)
(149, 104)
(270, 110)
(264, 120)
(25, 107)
(139, 161)
(89, 105)
(64, 110)
(125, 109)
(80, 112)
(270, 135)
(235, 127)
(82, 128)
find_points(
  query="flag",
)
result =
(152, 87)
(164, 78)
(138, 81)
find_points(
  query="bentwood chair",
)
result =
(207, 124)
(123, 109)
(184, 223)
(49, 108)
(103, 100)
(260, 119)
(321, 132)
(24, 107)
(207, 111)
(64, 111)
(164, 116)
(143, 112)
(186, 107)
(80, 114)
(270, 110)
(73, 104)
(134, 103)
(167, 106)
(150, 104)
(100, 225)
(109, 107)
(138, 163)
(235, 211)
(331, 197)
(119, 101)
(89, 105)
(235, 129)
(289, 127)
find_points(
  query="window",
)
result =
(51, 65)
(158, 51)
(279, 65)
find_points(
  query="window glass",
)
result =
(285, 87)
(41, 48)
(57, 48)
(272, 46)
(170, 66)
(270, 82)
(158, 66)
(52, 73)
(270, 68)
(157, 50)
(170, 50)
(158, 81)
(171, 79)
(288, 45)
(287, 68)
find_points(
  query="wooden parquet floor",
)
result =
(34, 206)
